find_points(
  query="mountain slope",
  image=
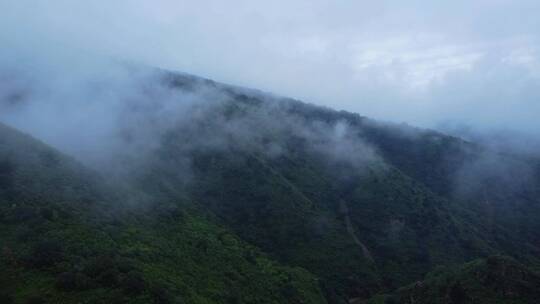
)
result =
(496, 279)
(245, 197)
(67, 238)
(408, 204)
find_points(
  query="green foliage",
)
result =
(248, 226)
(496, 279)
(64, 239)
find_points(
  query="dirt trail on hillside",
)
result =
(344, 210)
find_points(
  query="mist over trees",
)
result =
(123, 180)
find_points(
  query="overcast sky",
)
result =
(471, 62)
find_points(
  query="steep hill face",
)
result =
(67, 237)
(245, 197)
(302, 204)
(413, 198)
(498, 191)
(496, 279)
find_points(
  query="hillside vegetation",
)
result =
(252, 198)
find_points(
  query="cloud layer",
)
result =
(466, 62)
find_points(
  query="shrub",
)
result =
(66, 281)
(458, 294)
(6, 299)
(98, 265)
(70, 281)
(161, 295)
(35, 300)
(6, 174)
(47, 213)
(124, 265)
(133, 283)
(116, 297)
(391, 300)
(109, 278)
(46, 253)
(22, 214)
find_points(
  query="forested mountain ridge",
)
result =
(253, 198)
(496, 279)
(68, 238)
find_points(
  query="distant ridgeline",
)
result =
(259, 199)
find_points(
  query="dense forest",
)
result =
(253, 198)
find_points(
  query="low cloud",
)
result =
(113, 116)
(473, 63)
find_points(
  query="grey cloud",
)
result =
(113, 116)
(423, 63)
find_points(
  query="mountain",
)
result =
(247, 197)
(496, 279)
(67, 237)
